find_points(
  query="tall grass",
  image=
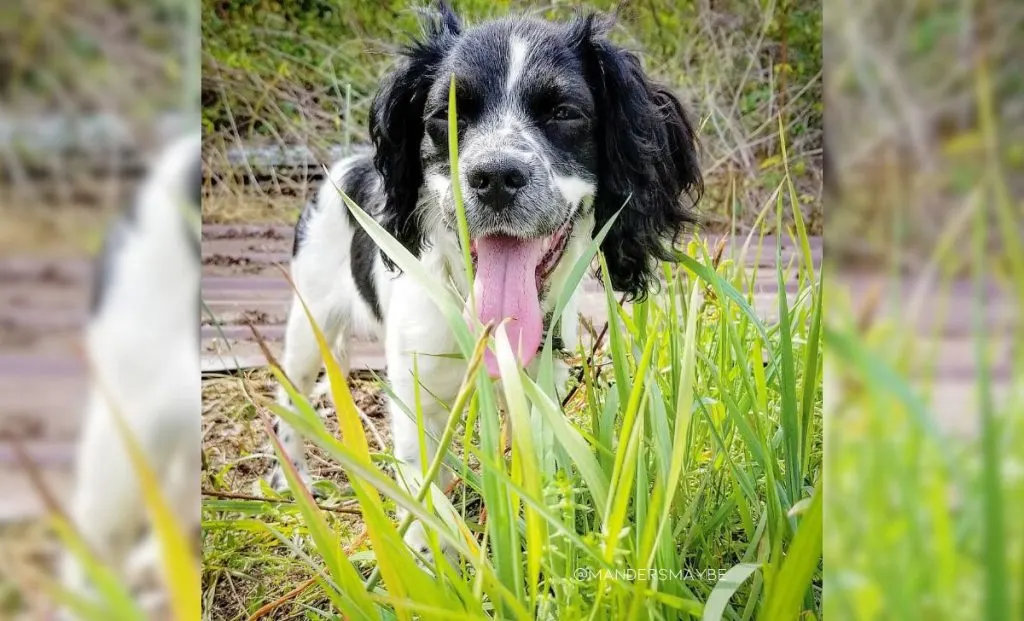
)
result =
(681, 480)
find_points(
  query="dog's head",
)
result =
(557, 126)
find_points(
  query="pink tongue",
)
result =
(506, 287)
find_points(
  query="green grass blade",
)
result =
(625, 462)
(460, 208)
(807, 265)
(179, 565)
(883, 377)
(722, 288)
(327, 544)
(570, 439)
(997, 587)
(725, 588)
(620, 366)
(800, 564)
(525, 457)
(439, 292)
(112, 601)
(787, 387)
(683, 408)
(812, 378)
(385, 485)
(545, 377)
(394, 559)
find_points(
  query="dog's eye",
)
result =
(565, 113)
(441, 117)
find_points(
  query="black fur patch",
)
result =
(364, 254)
(302, 226)
(113, 241)
(196, 181)
(397, 129)
(105, 262)
(194, 192)
(647, 161)
(360, 184)
(557, 344)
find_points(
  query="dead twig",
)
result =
(284, 599)
(590, 358)
(234, 496)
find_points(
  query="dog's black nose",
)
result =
(496, 182)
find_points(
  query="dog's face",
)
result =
(527, 146)
(555, 124)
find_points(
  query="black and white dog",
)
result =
(142, 341)
(558, 129)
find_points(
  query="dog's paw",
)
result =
(279, 482)
(416, 539)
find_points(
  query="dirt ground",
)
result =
(236, 451)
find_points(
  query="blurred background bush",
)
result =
(290, 84)
(903, 117)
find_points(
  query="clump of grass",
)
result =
(682, 480)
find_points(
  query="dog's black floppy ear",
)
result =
(647, 161)
(396, 126)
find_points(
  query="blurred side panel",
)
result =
(925, 349)
(92, 94)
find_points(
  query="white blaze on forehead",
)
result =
(509, 128)
(573, 189)
(517, 50)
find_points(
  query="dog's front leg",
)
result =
(301, 362)
(425, 379)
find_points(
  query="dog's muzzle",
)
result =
(496, 181)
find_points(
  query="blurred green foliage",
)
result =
(79, 58)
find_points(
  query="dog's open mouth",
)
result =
(510, 274)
